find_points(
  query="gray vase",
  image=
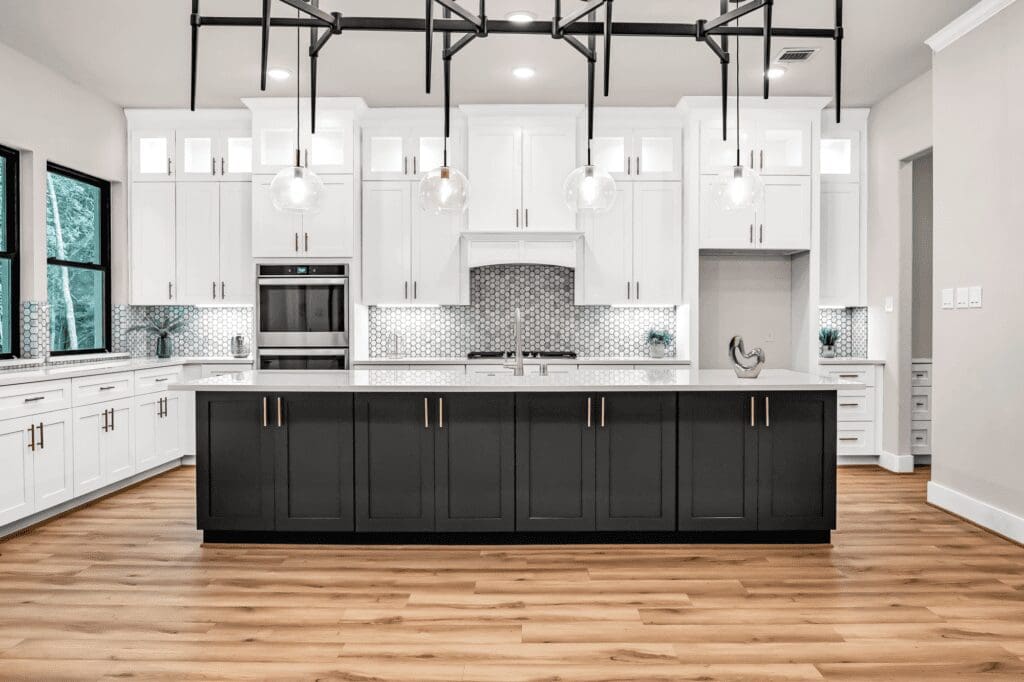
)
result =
(164, 347)
(828, 351)
(657, 350)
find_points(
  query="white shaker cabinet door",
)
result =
(608, 256)
(721, 229)
(237, 280)
(386, 242)
(275, 234)
(495, 176)
(198, 242)
(611, 150)
(197, 153)
(147, 407)
(385, 153)
(659, 153)
(785, 220)
(52, 460)
(168, 428)
(16, 476)
(153, 243)
(153, 155)
(436, 272)
(549, 156)
(841, 256)
(784, 148)
(118, 451)
(328, 233)
(92, 423)
(657, 243)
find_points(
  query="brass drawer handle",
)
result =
(279, 411)
(849, 439)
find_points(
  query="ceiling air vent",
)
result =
(792, 55)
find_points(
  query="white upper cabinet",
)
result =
(516, 169)
(840, 156)
(842, 267)
(152, 240)
(401, 151)
(630, 153)
(409, 256)
(780, 222)
(327, 233)
(771, 145)
(153, 154)
(329, 150)
(197, 155)
(213, 234)
(634, 252)
(236, 270)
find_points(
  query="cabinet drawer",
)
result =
(102, 387)
(856, 405)
(921, 404)
(921, 374)
(156, 380)
(921, 438)
(864, 374)
(221, 370)
(856, 438)
(23, 400)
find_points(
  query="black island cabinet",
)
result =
(650, 466)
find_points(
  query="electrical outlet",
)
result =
(771, 337)
(962, 297)
(974, 297)
(948, 300)
(889, 305)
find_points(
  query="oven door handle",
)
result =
(301, 281)
(312, 352)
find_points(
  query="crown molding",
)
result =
(967, 22)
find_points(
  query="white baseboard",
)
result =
(188, 460)
(985, 515)
(898, 464)
(73, 503)
(857, 460)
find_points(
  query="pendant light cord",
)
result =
(738, 160)
(298, 91)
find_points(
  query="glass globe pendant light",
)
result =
(445, 189)
(739, 187)
(589, 190)
(297, 189)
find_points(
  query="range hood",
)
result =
(564, 249)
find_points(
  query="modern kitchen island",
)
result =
(383, 456)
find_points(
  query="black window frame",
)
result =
(13, 221)
(104, 264)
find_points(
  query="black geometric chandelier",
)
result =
(570, 27)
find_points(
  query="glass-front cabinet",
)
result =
(769, 146)
(274, 124)
(153, 155)
(840, 156)
(185, 154)
(403, 152)
(632, 154)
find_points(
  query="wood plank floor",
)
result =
(124, 589)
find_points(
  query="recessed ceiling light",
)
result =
(523, 73)
(279, 74)
(775, 71)
(520, 17)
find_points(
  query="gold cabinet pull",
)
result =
(42, 445)
(264, 411)
(767, 411)
(589, 410)
(602, 412)
(440, 413)
(752, 423)
(426, 413)
(279, 410)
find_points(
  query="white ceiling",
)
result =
(136, 52)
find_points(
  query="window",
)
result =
(9, 300)
(78, 261)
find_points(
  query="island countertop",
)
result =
(437, 381)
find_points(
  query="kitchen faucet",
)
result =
(517, 332)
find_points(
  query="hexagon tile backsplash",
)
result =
(207, 332)
(551, 321)
(852, 324)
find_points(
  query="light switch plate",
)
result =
(947, 299)
(962, 297)
(974, 297)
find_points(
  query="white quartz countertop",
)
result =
(850, 361)
(646, 360)
(608, 380)
(84, 369)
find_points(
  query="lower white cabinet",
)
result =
(158, 433)
(35, 464)
(103, 445)
(634, 253)
(856, 410)
(328, 233)
(409, 255)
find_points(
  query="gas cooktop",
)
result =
(506, 354)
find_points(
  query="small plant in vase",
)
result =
(659, 340)
(163, 326)
(828, 337)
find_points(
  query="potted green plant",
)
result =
(659, 340)
(163, 326)
(828, 336)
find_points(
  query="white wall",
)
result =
(899, 129)
(923, 256)
(750, 296)
(49, 118)
(978, 461)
